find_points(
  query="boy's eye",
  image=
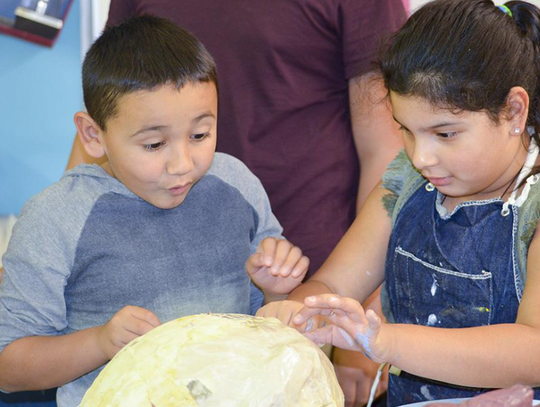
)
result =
(154, 146)
(200, 136)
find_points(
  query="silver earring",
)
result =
(517, 130)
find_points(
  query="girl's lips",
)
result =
(440, 182)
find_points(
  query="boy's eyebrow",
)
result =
(203, 116)
(147, 128)
(159, 127)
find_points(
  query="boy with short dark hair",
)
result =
(165, 228)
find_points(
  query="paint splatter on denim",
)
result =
(450, 270)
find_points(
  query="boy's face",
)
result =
(161, 142)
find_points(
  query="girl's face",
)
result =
(464, 155)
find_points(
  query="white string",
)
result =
(533, 179)
(375, 384)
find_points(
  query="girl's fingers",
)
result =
(374, 322)
(321, 335)
(338, 305)
(373, 319)
(304, 314)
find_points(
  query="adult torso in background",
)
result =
(283, 68)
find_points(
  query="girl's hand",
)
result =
(127, 324)
(277, 267)
(349, 328)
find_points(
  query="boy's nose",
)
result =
(180, 162)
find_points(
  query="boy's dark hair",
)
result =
(141, 53)
(466, 55)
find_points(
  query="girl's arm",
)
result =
(355, 268)
(487, 356)
(43, 362)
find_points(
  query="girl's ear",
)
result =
(518, 109)
(88, 131)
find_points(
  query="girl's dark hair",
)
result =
(466, 55)
(141, 53)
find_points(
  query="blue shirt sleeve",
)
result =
(256, 299)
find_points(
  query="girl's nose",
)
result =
(180, 161)
(423, 156)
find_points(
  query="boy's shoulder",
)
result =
(236, 174)
(84, 182)
(73, 195)
(225, 165)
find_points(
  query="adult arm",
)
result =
(80, 156)
(376, 135)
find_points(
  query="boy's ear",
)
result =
(518, 107)
(88, 132)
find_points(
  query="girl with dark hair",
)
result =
(451, 227)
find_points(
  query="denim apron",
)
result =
(450, 270)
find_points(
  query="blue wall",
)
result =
(40, 90)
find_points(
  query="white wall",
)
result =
(93, 18)
(40, 92)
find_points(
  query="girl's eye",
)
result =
(200, 136)
(401, 128)
(154, 146)
(447, 135)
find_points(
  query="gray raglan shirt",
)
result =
(87, 246)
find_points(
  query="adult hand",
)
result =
(277, 268)
(356, 374)
(127, 324)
